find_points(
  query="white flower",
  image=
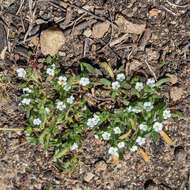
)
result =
(62, 80)
(143, 127)
(26, 101)
(96, 136)
(37, 121)
(70, 100)
(140, 141)
(67, 87)
(21, 73)
(106, 136)
(133, 148)
(60, 105)
(121, 145)
(130, 109)
(151, 82)
(74, 147)
(157, 126)
(113, 151)
(47, 110)
(136, 109)
(117, 130)
(115, 85)
(92, 122)
(139, 86)
(166, 114)
(50, 71)
(84, 81)
(148, 106)
(120, 77)
(27, 90)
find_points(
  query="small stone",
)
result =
(88, 177)
(176, 93)
(101, 166)
(100, 29)
(154, 12)
(51, 41)
(87, 32)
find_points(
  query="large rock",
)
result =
(51, 41)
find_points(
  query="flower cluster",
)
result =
(123, 112)
(92, 122)
(119, 78)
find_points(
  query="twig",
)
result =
(11, 129)
(151, 70)
(118, 40)
(168, 10)
(32, 16)
(20, 7)
(85, 11)
(175, 5)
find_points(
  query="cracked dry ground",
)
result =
(164, 40)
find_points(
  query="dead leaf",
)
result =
(99, 29)
(126, 135)
(176, 93)
(126, 26)
(88, 177)
(51, 41)
(115, 159)
(107, 68)
(144, 155)
(172, 78)
(132, 66)
(166, 138)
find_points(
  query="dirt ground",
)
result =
(157, 44)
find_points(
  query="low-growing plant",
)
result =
(61, 106)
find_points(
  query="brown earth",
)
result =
(153, 39)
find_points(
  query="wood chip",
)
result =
(126, 26)
(100, 29)
(88, 177)
(87, 32)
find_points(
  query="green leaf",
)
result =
(88, 67)
(61, 152)
(154, 136)
(161, 82)
(105, 82)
